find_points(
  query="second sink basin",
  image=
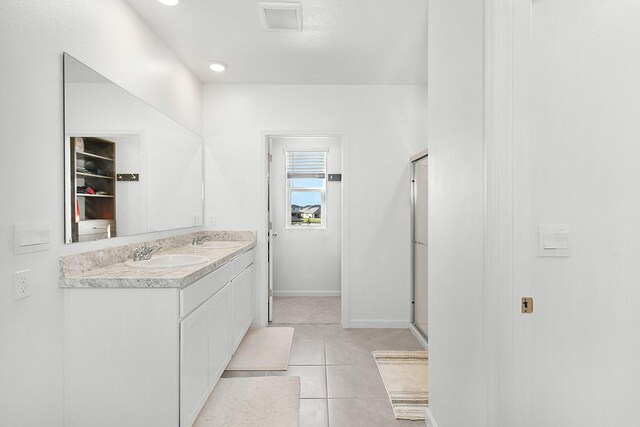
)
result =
(219, 244)
(166, 261)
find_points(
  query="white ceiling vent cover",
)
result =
(281, 16)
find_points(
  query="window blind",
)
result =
(306, 164)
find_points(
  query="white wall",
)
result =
(384, 125)
(108, 36)
(580, 167)
(131, 209)
(456, 202)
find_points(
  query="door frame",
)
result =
(502, 341)
(422, 336)
(263, 292)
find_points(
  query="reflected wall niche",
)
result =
(129, 169)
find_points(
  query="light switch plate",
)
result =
(31, 238)
(553, 241)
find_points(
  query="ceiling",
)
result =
(342, 41)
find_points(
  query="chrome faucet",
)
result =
(197, 240)
(144, 252)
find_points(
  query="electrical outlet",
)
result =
(197, 220)
(21, 284)
(211, 220)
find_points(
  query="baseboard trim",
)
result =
(306, 293)
(416, 333)
(430, 421)
(392, 324)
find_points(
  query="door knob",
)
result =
(274, 234)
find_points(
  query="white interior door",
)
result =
(306, 216)
(575, 155)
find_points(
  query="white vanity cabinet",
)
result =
(204, 353)
(151, 357)
(249, 296)
(242, 298)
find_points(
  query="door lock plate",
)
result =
(526, 305)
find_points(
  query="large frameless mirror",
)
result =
(129, 169)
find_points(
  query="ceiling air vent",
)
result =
(281, 16)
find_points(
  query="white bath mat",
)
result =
(251, 402)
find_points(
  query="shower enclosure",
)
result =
(419, 241)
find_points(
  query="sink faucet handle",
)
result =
(144, 252)
(152, 249)
(139, 253)
(197, 240)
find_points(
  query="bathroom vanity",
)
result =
(146, 346)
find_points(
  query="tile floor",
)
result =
(340, 383)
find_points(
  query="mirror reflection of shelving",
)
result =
(93, 168)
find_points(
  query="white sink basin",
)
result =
(167, 261)
(219, 245)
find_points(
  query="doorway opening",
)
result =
(305, 228)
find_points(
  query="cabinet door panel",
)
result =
(237, 311)
(220, 328)
(195, 377)
(249, 295)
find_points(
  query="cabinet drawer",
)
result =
(96, 226)
(198, 292)
(242, 262)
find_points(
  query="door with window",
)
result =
(305, 211)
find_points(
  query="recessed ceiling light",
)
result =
(169, 2)
(218, 66)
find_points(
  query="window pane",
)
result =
(306, 207)
(307, 183)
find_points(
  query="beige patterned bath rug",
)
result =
(405, 375)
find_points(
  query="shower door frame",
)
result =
(420, 334)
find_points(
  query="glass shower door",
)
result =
(420, 248)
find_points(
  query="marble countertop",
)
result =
(120, 275)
